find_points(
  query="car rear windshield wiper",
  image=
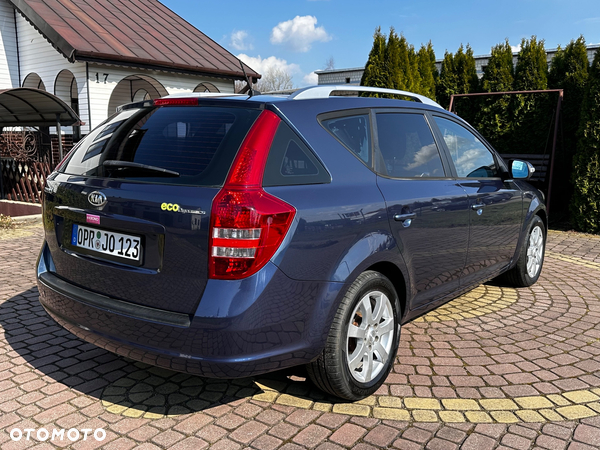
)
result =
(138, 168)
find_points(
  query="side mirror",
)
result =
(521, 169)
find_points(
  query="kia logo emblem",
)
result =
(97, 198)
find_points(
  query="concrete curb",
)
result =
(31, 219)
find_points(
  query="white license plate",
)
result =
(107, 242)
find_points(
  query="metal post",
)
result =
(59, 133)
(558, 104)
(1, 180)
(1, 173)
(451, 103)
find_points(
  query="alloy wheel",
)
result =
(370, 336)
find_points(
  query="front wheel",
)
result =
(363, 340)
(531, 256)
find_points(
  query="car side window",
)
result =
(354, 132)
(471, 158)
(406, 148)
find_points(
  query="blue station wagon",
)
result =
(230, 236)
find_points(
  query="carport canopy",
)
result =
(28, 107)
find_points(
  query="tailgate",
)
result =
(146, 245)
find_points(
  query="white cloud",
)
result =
(239, 40)
(470, 160)
(264, 65)
(299, 33)
(590, 20)
(515, 48)
(423, 156)
(310, 79)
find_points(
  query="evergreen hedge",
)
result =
(513, 124)
(585, 204)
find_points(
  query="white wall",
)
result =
(9, 69)
(36, 55)
(104, 79)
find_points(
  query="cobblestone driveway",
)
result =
(495, 368)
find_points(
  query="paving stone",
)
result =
(347, 435)
(530, 362)
(311, 436)
(193, 443)
(381, 436)
(588, 435)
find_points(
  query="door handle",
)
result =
(406, 219)
(478, 207)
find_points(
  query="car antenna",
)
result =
(248, 86)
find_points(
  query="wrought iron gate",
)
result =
(25, 162)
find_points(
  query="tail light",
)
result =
(248, 224)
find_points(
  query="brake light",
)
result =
(248, 224)
(176, 102)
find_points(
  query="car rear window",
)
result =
(174, 145)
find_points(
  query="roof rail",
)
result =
(324, 91)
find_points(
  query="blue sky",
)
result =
(301, 35)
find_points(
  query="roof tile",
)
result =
(135, 31)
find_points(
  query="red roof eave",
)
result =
(104, 58)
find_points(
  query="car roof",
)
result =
(320, 95)
(311, 93)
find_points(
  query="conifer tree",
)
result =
(405, 64)
(531, 72)
(393, 62)
(413, 70)
(531, 113)
(447, 84)
(436, 73)
(493, 119)
(375, 73)
(427, 71)
(466, 82)
(498, 75)
(464, 63)
(568, 71)
(585, 204)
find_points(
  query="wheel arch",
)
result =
(392, 272)
(544, 216)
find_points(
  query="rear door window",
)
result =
(192, 145)
(354, 132)
(406, 147)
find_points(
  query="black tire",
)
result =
(530, 253)
(331, 372)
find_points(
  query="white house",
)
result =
(94, 56)
(98, 55)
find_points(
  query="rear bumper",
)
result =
(241, 328)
